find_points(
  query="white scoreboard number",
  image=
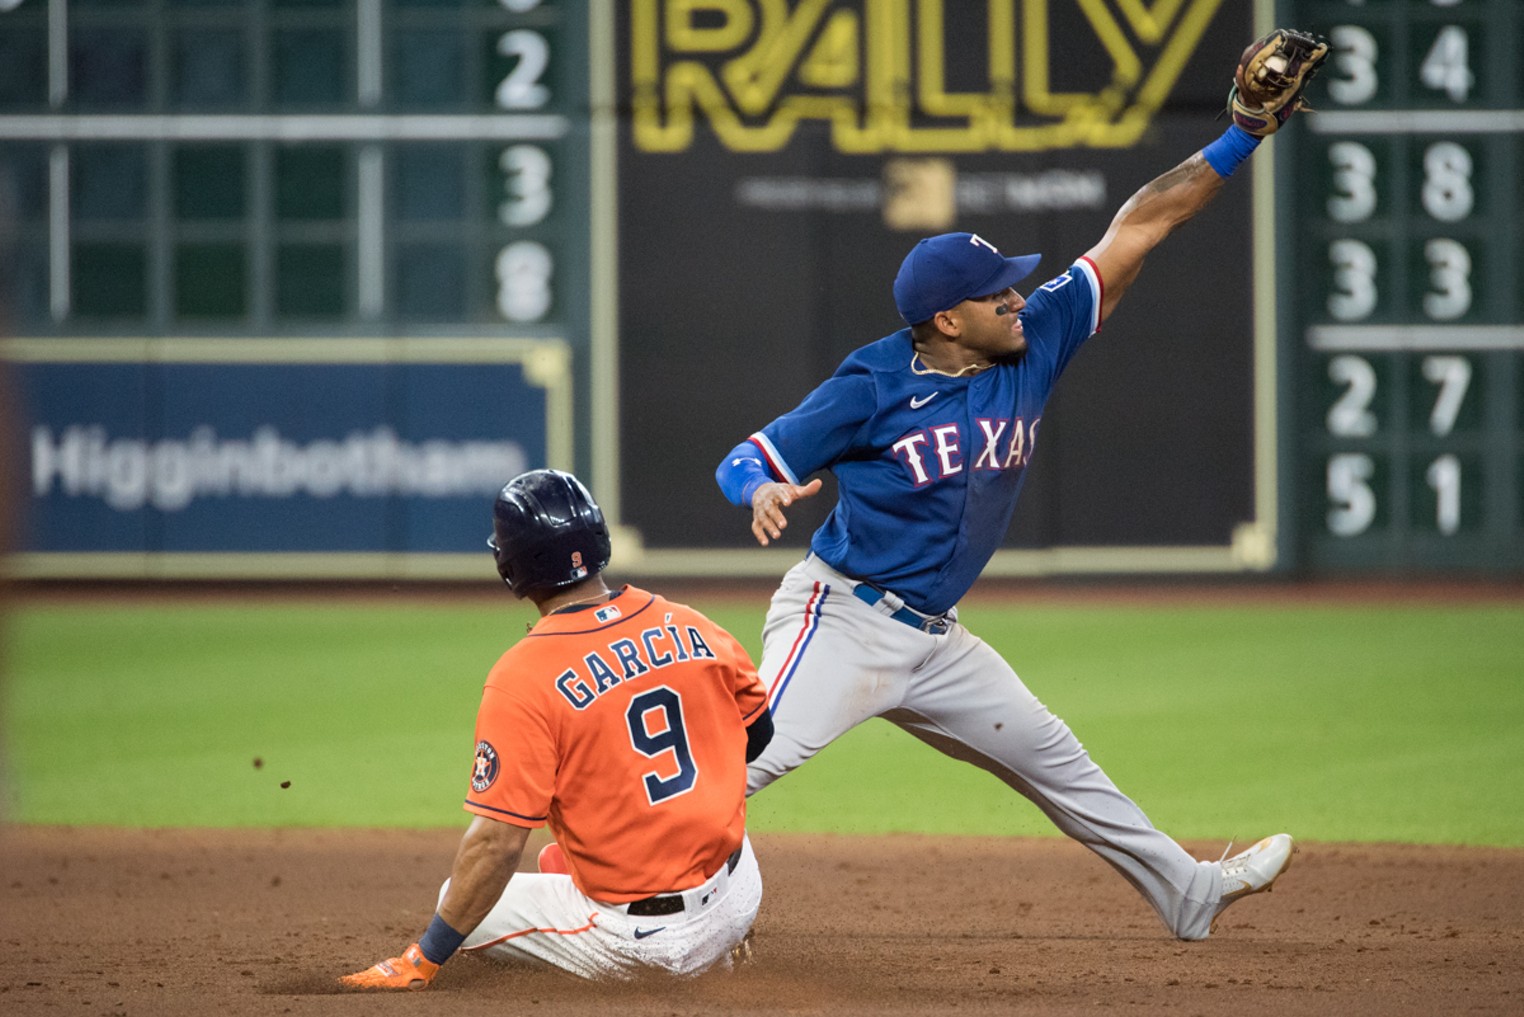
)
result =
(524, 269)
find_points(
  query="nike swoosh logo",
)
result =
(643, 933)
(916, 404)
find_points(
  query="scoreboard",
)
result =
(281, 188)
(284, 165)
(1403, 274)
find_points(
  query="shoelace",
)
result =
(1234, 871)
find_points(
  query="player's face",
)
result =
(992, 326)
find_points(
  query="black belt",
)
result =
(671, 904)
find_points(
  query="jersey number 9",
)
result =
(669, 736)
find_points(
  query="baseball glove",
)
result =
(1271, 75)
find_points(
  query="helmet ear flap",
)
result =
(503, 569)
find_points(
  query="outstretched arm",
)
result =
(1149, 216)
(1267, 89)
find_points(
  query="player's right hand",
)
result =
(410, 971)
(768, 503)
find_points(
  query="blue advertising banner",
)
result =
(339, 457)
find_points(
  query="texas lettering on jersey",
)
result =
(937, 452)
(885, 428)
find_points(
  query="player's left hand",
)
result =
(1270, 79)
(410, 971)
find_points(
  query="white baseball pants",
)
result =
(831, 662)
(545, 920)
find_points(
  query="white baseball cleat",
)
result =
(1256, 869)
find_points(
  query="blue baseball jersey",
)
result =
(928, 467)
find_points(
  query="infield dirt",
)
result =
(167, 923)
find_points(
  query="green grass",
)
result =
(1337, 723)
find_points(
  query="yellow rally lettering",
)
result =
(876, 72)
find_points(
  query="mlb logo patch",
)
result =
(607, 613)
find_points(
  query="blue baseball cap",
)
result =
(943, 271)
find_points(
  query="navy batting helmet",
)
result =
(547, 532)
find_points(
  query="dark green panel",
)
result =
(208, 68)
(1515, 418)
(1424, 172)
(429, 182)
(1519, 491)
(23, 281)
(309, 281)
(210, 281)
(311, 66)
(429, 281)
(208, 182)
(427, 68)
(108, 68)
(23, 67)
(309, 182)
(24, 182)
(109, 280)
(109, 182)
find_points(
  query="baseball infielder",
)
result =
(929, 432)
(625, 721)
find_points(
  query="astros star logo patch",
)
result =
(484, 770)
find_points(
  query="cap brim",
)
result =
(1014, 270)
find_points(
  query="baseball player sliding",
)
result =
(625, 721)
(929, 432)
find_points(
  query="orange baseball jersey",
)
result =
(622, 725)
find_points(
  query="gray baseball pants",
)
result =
(831, 661)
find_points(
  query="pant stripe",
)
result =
(591, 923)
(801, 643)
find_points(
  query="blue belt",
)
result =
(871, 595)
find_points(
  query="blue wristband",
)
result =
(1224, 154)
(440, 941)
